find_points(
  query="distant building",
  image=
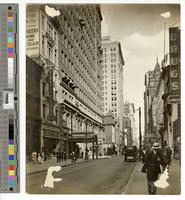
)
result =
(129, 124)
(151, 83)
(113, 98)
(159, 107)
(109, 133)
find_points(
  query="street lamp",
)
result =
(72, 130)
(140, 136)
(62, 110)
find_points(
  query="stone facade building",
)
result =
(113, 96)
(68, 48)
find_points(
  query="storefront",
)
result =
(51, 138)
(177, 139)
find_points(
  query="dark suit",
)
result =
(153, 160)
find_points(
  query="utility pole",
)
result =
(140, 137)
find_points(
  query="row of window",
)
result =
(112, 55)
(113, 111)
(78, 46)
(49, 51)
(112, 60)
(46, 25)
(87, 99)
(69, 64)
(76, 57)
(111, 49)
(113, 104)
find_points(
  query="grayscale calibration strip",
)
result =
(9, 138)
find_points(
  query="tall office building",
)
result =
(113, 63)
(150, 104)
(80, 51)
(68, 47)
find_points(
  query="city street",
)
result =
(138, 183)
(103, 176)
(96, 90)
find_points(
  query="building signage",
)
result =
(32, 32)
(174, 36)
(50, 99)
(83, 136)
(51, 134)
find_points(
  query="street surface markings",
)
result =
(49, 182)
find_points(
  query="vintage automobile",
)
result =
(130, 153)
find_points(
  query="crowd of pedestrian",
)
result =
(155, 162)
(37, 158)
(74, 156)
(61, 155)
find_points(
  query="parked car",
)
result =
(130, 153)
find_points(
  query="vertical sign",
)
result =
(50, 98)
(174, 36)
(32, 31)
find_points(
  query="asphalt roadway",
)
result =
(102, 176)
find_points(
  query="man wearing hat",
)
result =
(153, 161)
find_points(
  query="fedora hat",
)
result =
(156, 146)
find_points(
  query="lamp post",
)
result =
(140, 136)
(76, 115)
(62, 109)
(71, 132)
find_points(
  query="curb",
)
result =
(131, 180)
(65, 165)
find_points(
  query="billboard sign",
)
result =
(174, 36)
(32, 32)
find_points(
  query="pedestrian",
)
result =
(144, 153)
(58, 156)
(61, 155)
(153, 160)
(34, 157)
(167, 154)
(82, 154)
(40, 158)
(72, 156)
(76, 154)
(65, 155)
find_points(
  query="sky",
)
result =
(140, 29)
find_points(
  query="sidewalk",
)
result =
(37, 168)
(138, 183)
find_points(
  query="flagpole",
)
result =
(164, 37)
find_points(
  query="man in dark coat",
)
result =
(167, 153)
(153, 160)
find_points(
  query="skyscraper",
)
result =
(68, 47)
(113, 63)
